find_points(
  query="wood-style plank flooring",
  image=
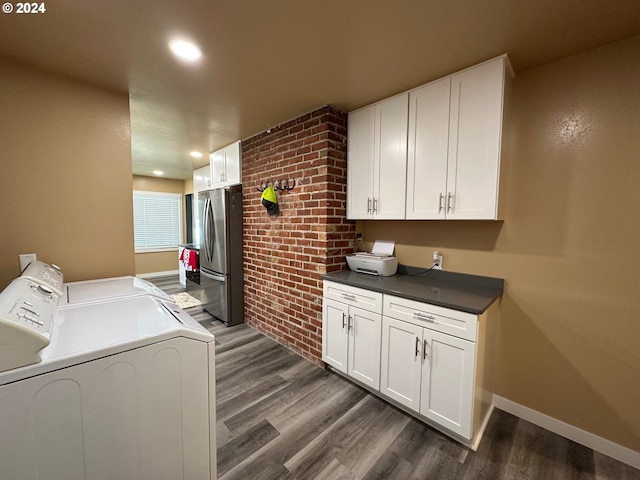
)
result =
(281, 417)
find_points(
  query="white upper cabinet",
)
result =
(360, 163)
(201, 180)
(377, 160)
(447, 166)
(475, 139)
(226, 167)
(427, 150)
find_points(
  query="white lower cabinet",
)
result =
(429, 372)
(433, 361)
(351, 338)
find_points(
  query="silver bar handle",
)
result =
(350, 323)
(375, 205)
(440, 205)
(449, 203)
(344, 317)
(417, 346)
(368, 205)
(423, 316)
(348, 296)
(424, 350)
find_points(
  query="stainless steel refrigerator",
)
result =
(221, 272)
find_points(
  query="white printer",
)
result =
(380, 261)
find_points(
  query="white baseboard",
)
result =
(599, 444)
(158, 274)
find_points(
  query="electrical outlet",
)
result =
(26, 259)
(437, 260)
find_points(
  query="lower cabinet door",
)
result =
(447, 381)
(334, 334)
(364, 346)
(401, 365)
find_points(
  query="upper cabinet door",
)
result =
(217, 168)
(360, 164)
(201, 179)
(233, 174)
(475, 135)
(226, 166)
(390, 171)
(427, 150)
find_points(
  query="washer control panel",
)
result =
(27, 310)
(45, 274)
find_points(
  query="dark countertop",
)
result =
(190, 246)
(458, 291)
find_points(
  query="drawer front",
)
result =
(358, 297)
(452, 322)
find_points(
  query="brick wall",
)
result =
(285, 256)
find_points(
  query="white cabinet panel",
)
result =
(357, 297)
(334, 334)
(360, 163)
(475, 138)
(226, 168)
(400, 363)
(447, 381)
(218, 167)
(445, 320)
(364, 346)
(377, 160)
(390, 169)
(428, 150)
(351, 341)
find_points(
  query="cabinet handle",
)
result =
(375, 205)
(440, 205)
(424, 350)
(368, 205)
(422, 316)
(349, 296)
(417, 346)
(344, 317)
(449, 203)
(350, 325)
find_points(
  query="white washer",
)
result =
(124, 389)
(109, 288)
(72, 293)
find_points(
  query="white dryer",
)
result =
(85, 291)
(121, 389)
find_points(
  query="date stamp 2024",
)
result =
(21, 8)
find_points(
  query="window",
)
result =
(157, 221)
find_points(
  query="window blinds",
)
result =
(157, 221)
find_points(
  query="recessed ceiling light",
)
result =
(158, 172)
(195, 154)
(185, 50)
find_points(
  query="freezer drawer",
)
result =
(215, 294)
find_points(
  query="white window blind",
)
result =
(157, 221)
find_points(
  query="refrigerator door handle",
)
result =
(213, 276)
(208, 247)
(204, 229)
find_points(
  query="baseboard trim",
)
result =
(158, 274)
(590, 440)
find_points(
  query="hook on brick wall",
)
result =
(277, 185)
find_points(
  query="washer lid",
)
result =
(106, 288)
(86, 332)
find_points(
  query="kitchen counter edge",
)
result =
(457, 291)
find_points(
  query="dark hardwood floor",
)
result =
(281, 417)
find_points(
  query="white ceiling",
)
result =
(268, 61)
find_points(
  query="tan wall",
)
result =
(65, 176)
(568, 248)
(152, 262)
